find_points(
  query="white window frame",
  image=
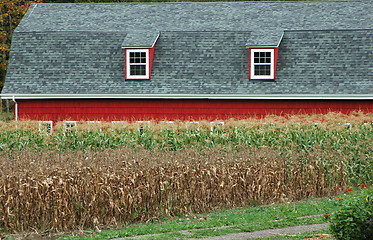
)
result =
(95, 123)
(128, 64)
(167, 122)
(252, 64)
(118, 122)
(214, 125)
(142, 125)
(193, 124)
(42, 125)
(68, 128)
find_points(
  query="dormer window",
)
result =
(262, 64)
(137, 64)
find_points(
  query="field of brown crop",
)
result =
(64, 191)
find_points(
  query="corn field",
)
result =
(98, 175)
(282, 133)
(64, 191)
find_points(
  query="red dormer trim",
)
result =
(268, 69)
(151, 56)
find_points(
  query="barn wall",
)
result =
(162, 109)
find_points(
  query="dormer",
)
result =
(262, 54)
(138, 54)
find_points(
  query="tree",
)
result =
(11, 13)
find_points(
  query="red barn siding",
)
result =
(186, 109)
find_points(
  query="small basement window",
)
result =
(96, 125)
(137, 64)
(262, 64)
(142, 125)
(45, 127)
(215, 125)
(119, 124)
(69, 125)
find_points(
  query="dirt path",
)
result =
(268, 232)
(251, 235)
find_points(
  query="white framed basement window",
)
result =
(142, 125)
(69, 125)
(216, 125)
(95, 125)
(137, 64)
(262, 64)
(45, 127)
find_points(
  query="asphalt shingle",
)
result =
(140, 39)
(326, 48)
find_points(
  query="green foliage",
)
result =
(6, 116)
(354, 219)
(300, 138)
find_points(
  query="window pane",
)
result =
(132, 57)
(268, 57)
(137, 70)
(256, 57)
(137, 57)
(262, 57)
(262, 70)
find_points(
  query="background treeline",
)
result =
(12, 11)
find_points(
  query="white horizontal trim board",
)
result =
(186, 96)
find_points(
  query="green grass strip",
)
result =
(231, 221)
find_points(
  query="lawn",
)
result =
(224, 222)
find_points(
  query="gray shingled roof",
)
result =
(144, 39)
(326, 48)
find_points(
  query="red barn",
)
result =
(190, 61)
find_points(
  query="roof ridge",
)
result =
(72, 31)
(195, 2)
(323, 30)
(207, 31)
